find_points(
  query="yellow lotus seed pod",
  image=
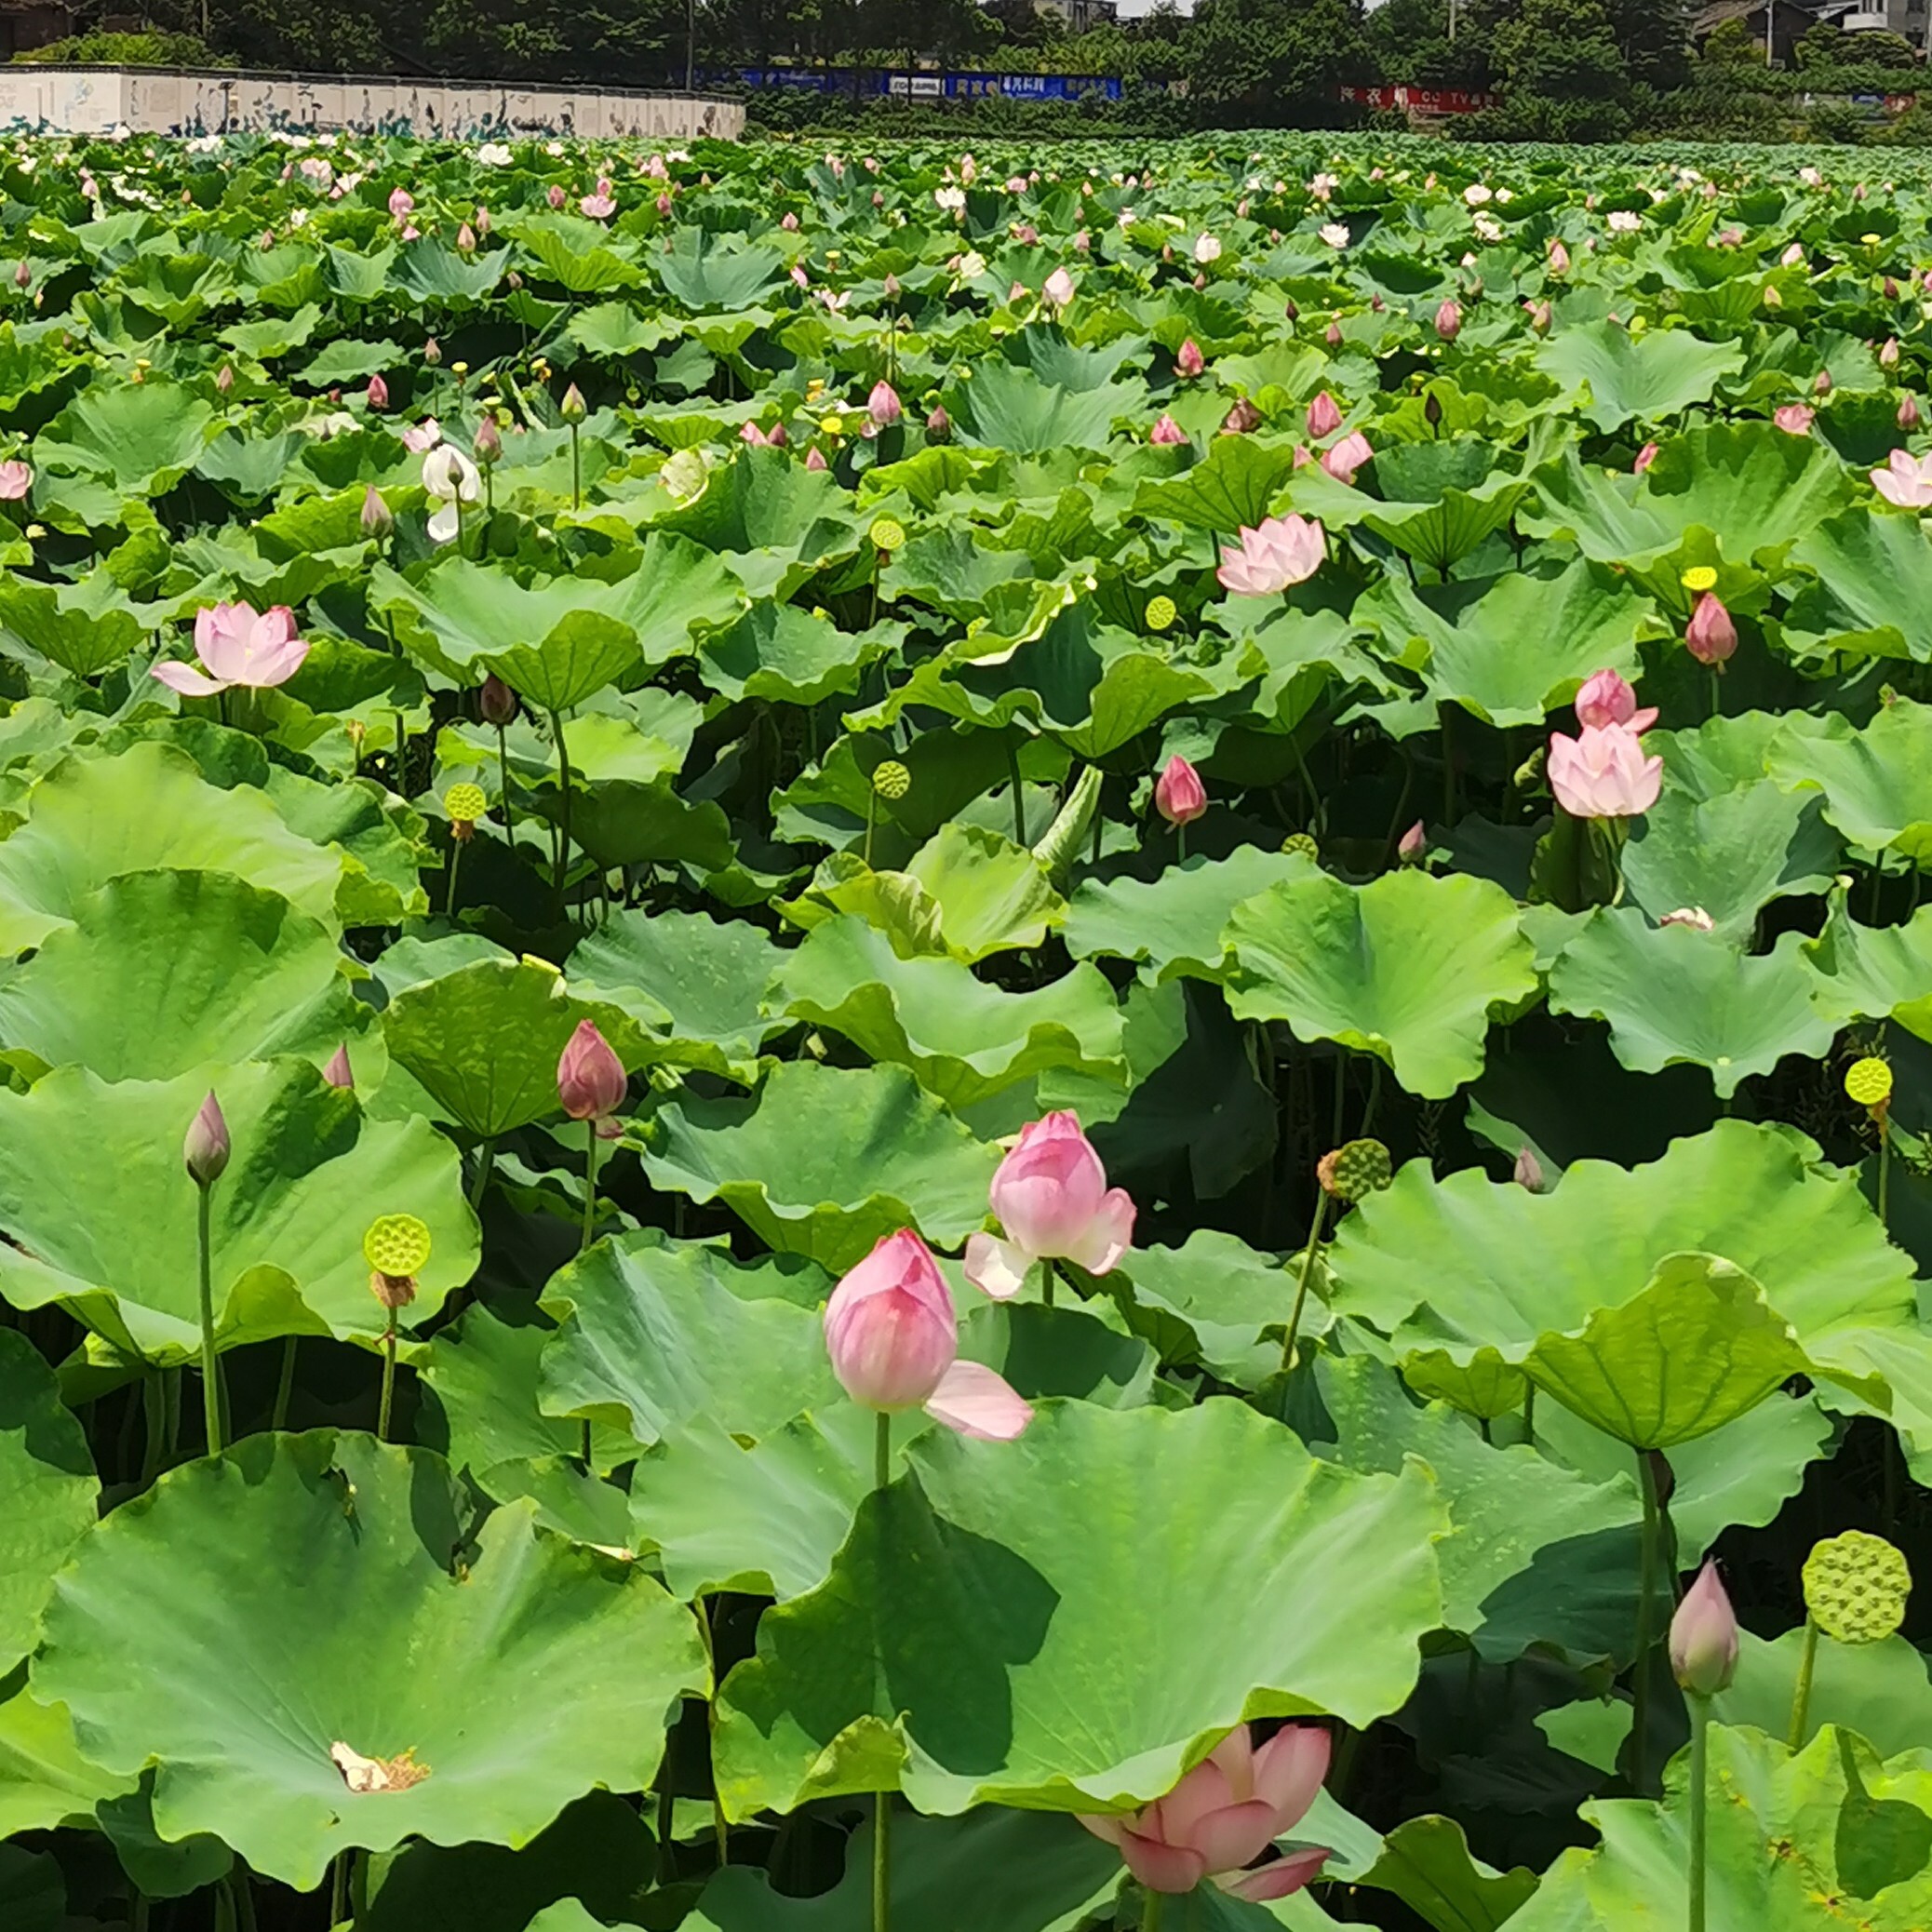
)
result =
(465, 804)
(1870, 1081)
(887, 534)
(1699, 578)
(891, 779)
(1303, 843)
(1160, 613)
(1856, 1586)
(397, 1245)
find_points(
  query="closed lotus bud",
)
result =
(1539, 317)
(23, 277)
(1528, 1172)
(1324, 417)
(489, 440)
(1710, 634)
(892, 287)
(1822, 385)
(1291, 312)
(1449, 321)
(1432, 408)
(496, 701)
(1889, 290)
(1413, 845)
(1909, 412)
(1241, 420)
(1704, 1637)
(883, 405)
(1189, 362)
(815, 459)
(1179, 795)
(466, 239)
(339, 1073)
(590, 1078)
(939, 425)
(573, 409)
(1888, 352)
(1332, 335)
(377, 518)
(225, 381)
(205, 1152)
(1773, 299)
(432, 352)
(1558, 258)
(1645, 456)
(378, 392)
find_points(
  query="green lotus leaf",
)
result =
(163, 970)
(1648, 377)
(484, 1041)
(1877, 782)
(310, 1170)
(1464, 1262)
(1235, 483)
(70, 625)
(1673, 993)
(1425, 1863)
(1795, 1835)
(1879, 1690)
(825, 1162)
(780, 653)
(777, 521)
(380, 839)
(1872, 971)
(304, 1593)
(1485, 1387)
(92, 820)
(1410, 968)
(1213, 1300)
(47, 1485)
(141, 437)
(1513, 648)
(705, 270)
(1873, 588)
(1004, 406)
(962, 1039)
(432, 271)
(652, 1334)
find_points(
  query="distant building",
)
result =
(1902, 17)
(1079, 15)
(26, 24)
(1789, 25)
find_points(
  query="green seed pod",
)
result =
(465, 804)
(1360, 1168)
(1303, 843)
(1869, 1083)
(891, 779)
(1160, 613)
(1856, 1586)
(397, 1245)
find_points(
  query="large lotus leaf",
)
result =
(1464, 1262)
(141, 437)
(379, 838)
(92, 819)
(44, 1781)
(1647, 376)
(303, 1592)
(1213, 1300)
(962, 1039)
(1877, 782)
(1879, 1690)
(485, 1040)
(988, 1635)
(163, 970)
(654, 1335)
(1793, 1837)
(1425, 1863)
(1513, 647)
(1007, 407)
(1511, 1573)
(1235, 483)
(1730, 855)
(47, 1490)
(780, 653)
(1410, 968)
(70, 625)
(777, 520)
(308, 1174)
(825, 1161)
(1872, 971)
(705, 270)
(1874, 591)
(1674, 994)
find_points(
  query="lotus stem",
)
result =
(138, 1912)
(1046, 1284)
(871, 818)
(455, 869)
(1019, 793)
(211, 1367)
(285, 1388)
(1801, 1697)
(1717, 692)
(1885, 1169)
(243, 1893)
(1150, 1912)
(563, 777)
(576, 471)
(338, 1889)
(1699, 1803)
(1307, 1269)
(503, 770)
(666, 1829)
(486, 1160)
(882, 1802)
(1180, 845)
(388, 1379)
(1646, 1589)
(590, 1187)
(1529, 1415)
(153, 1403)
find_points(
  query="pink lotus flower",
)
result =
(424, 435)
(1283, 550)
(1645, 456)
(1051, 1198)
(556, 195)
(1710, 635)
(238, 646)
(1449, 321)
(1058, 289)
(789, 222)
(1324, 417)
(883, 405)
(1888, 352)
(1189, 362)
(1413, 846)
(600, 205)
(339, 1073)
(1558, 258)
(815, 459)
(1905, 480)
(15, 480)
(1224, 1813)
(1704, 1636)
(590, 1079)
(401, 203)
(1166, 430)
(206, 1147)
(1794, 419)
(1179, 795)
(1343, 459)
(466, 239)
(664, 205)
(1607, 699)
(378, 392)
(1601, 772)
(1909, 413)
(893, 1337)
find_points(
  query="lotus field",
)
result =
(927, 1043)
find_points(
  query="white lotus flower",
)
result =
(452, 480)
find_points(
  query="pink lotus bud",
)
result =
(1051, 1198)
(1332, 335)
(466, 239)
(1528, 1172)
(752, 436)
(789, 222)
(1889, 290)
(775, 438)
(1794, 419)
(573, 409)
(378, 392)
(489, 444)
(1343, 459)
(800, 277)
(1166, 430)
(225, 379)
(377, 519)
(1324, 417)
(1907, 413)
(1201, 281)
(664, 205)
(1539, 317)
(482, 220)
(1888, 352)
(1190, 361)
(1242, 419)
(401, 202)
(1710, 634)
(1645, 456)
(891, 287)
(590, 1078)
(1449, 321)
(556, 195)
(1413, 845)
(815, 459)
(1607, 699)
(432, 352)
(1704, 1636)
(496, 701)
(23, 277)
(1179, 795)
(339, 1073)
(204, 1151)
(939, 425)
(1821, 385)
(883, 405)
(1558, 258)
(1792, 256)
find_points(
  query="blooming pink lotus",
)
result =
(422, 435)
(1601, 772)
(591, 1082)
(1341, 459)
(601, 203)
(1794, 419)
(1224, 1813)
(239, 645)
(1051, 1198)
(401, 203)
(1058, 289)
(1281, 551)
(1905, 480)
(893, 1337)
(1179, 795)
(1166, 430)
(15, 480)
(1607, 699)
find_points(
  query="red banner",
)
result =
(1424, 100)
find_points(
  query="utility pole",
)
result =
(1770, 21)
(691, 46)
(1452, 21)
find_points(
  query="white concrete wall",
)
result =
(158, 101)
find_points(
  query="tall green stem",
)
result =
(1801, 1697)
(1019, 793)
(153, 1403)
(503, 770)
(1646, 1592)
(338, 1889)
(1308, 1270)
(563, 778)
(1150, 1912)
(576, 471)
(882, 1818)
(871, 818)
(1699, 1802)
(455, 870)
(590, 1186)
(210, 1368)
(1046, 1284)
(1885, 1168)
(388, 1379)
(1180, 845)
(285, 1387)
(486, 1160)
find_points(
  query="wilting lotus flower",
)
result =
(1324, 417)
(1704, 1636)
(1190, 361)
(15, 480)
(1226, 1813)
(1710, 635)
(1343, 459)
(237, 646)
(1283, 550)
(1179, 795)
(1645, 456)
(1905, 480)
(1794, 419)
(1051, 1198)
(452, 480)
(883, 405)
(1528, 1172)
(1607, 699)
(422, 435)
(1241, 419)
(893, 1337)
(591, 1082)
(1449, 321)
(1601, 772)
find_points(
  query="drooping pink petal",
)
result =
(975, 1400)
(1107, 1235)
(995, 1266)
(1279, 1879)
(187, 680)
